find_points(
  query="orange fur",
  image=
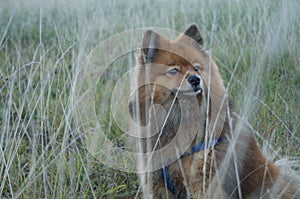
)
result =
(236, 168)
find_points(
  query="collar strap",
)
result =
(199, 147)
(202, 146)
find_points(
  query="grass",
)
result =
(42, 44)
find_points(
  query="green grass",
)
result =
(42, 150)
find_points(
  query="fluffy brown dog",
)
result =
(221, 158)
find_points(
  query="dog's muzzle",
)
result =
(195, 82)
(195, 89)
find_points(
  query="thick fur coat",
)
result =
(178, 90)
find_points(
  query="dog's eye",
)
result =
(173, 71)
(197, 68)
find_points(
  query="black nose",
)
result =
(195, 82)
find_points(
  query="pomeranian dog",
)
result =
(196, 145)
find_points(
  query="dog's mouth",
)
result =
(191, 92)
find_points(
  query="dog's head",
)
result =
(180, 68)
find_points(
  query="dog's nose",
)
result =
(195, 82)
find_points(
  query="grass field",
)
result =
(43, 43)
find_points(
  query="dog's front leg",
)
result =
(156, 187)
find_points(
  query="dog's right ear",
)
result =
(193, 32)
(150, 46)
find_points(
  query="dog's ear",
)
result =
(193, 32)
(150, 46)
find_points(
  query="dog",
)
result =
(178, 95)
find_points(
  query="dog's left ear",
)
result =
(150, 46)
(193, 32)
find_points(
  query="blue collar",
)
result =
(199, 147)
(202, 145)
